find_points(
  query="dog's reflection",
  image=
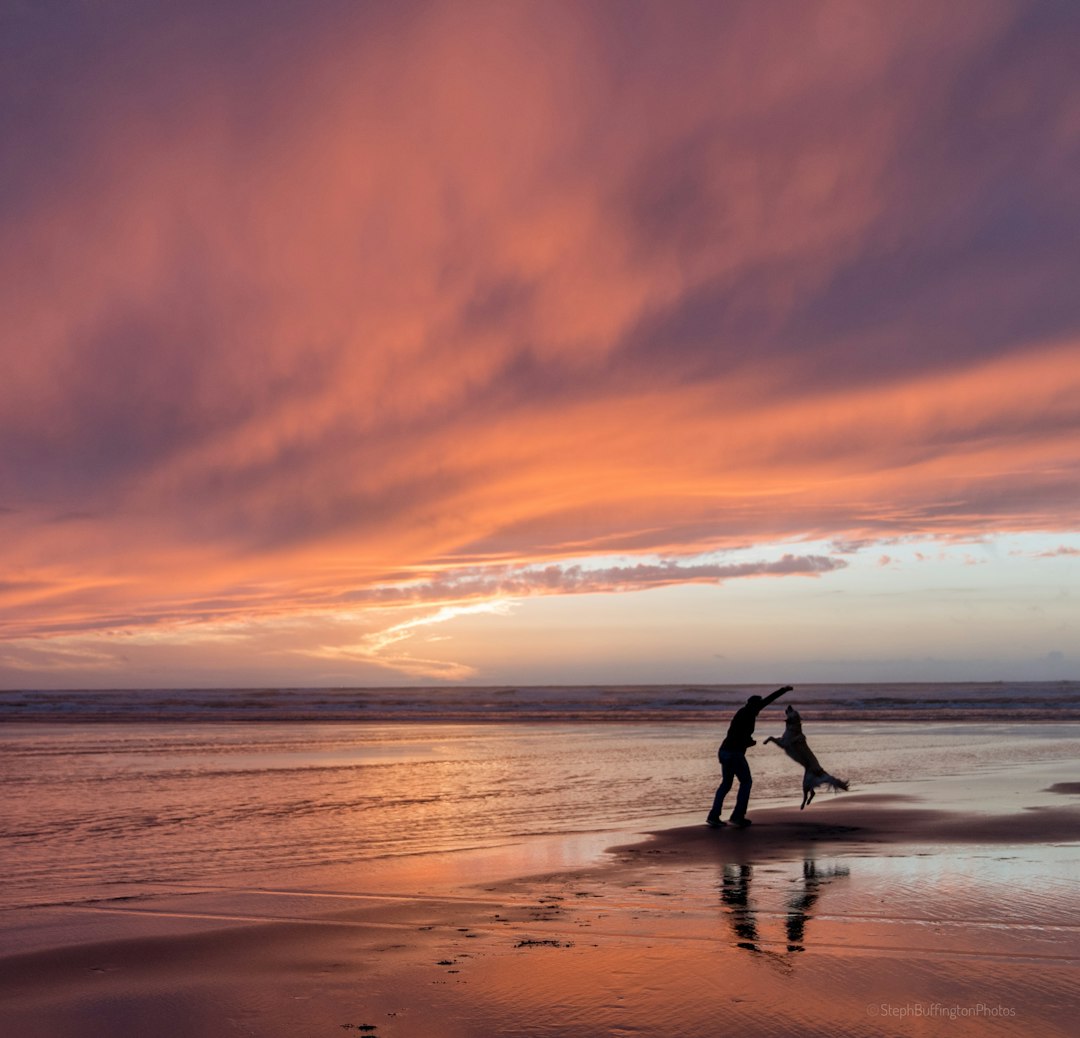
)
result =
(735, 894)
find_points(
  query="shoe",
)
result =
(741, 823)
(715, 823)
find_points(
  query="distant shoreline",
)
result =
(954, 718)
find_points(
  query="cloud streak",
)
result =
(378, 648)
(517, 581)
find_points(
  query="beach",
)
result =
(937, 904)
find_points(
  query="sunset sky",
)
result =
(355, 343)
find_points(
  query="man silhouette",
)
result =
(732, 755)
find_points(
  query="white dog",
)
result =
(794, 744)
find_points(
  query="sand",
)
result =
(896, 913)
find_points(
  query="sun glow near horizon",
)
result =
(900, 611)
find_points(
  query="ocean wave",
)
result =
(995, 701)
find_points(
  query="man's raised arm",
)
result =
(772, 696)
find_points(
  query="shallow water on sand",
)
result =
(93, 810)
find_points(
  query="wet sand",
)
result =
(876, 913)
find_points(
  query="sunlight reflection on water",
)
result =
(90, 807)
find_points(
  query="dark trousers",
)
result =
(732, 766)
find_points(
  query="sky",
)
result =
(553, 342)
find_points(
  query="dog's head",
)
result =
(793, 718)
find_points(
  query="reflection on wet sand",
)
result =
(735, 887)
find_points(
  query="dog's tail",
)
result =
(835, 784)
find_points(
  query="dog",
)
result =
(794, 744)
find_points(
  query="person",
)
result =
(732, 755)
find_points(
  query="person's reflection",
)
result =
(735, 894)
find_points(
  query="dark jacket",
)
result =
(740, 733)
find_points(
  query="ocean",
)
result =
(109, 793)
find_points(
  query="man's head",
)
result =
(755, 701)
